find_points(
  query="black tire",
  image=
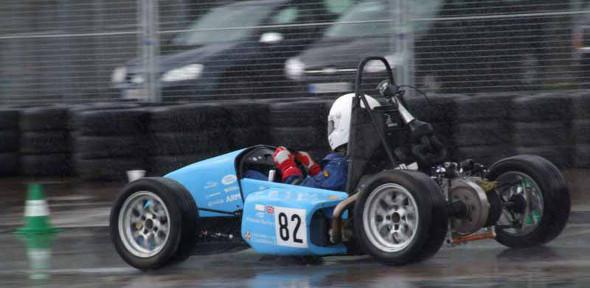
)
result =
(45, 142)
(543, 107)
(187, 118)
(58, 165)
(432, 223)
(556, 199)
(541, 133)
(9, 140)
(246, 115)
(183, 222)
(483, 154)
(581, 131)
(582, 156)
(581, 105)
(161, 165)
(245, 137)
(560, 156)
(9, 164)
(484, 106)
(96, 147)
(298, 138)
(439, 108)
(109, 169)
(481, 133)
(45, 118)
(9, 119)
(297, 114)
(214, 141)
(110, 122)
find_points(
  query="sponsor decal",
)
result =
(248, 236)
(259, 207)
(210, 185)
(233, 197)
(213, 194)
(269, 209)
(333, 197)
(228, 179)
(215, 202)
(230, 189)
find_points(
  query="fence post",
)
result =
(149, 46)
(403, 38)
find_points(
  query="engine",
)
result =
(472, 201)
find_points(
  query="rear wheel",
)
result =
(152, 223)
(536, 200)
(400, 217)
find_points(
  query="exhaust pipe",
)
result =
(336, 235)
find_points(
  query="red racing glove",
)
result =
(311, 166)
(285, 162)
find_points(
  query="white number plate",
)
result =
(318, 88)
(290, 227)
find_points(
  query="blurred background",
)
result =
(95, 87)
(55, 51)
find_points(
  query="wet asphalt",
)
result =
(81, 255)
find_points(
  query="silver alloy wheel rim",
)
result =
(390, 217)
(530, 191)
(144, 224)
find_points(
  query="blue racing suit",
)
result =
(331, 177)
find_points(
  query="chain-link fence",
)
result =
(55, 51)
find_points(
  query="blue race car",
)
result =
(402, 200)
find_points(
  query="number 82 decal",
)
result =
(290, 227)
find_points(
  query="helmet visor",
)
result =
(330, 126)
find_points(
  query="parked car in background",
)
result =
(327, 67)
(236, 49)
(455, 49)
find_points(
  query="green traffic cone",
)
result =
(36, 213)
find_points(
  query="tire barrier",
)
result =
(541, 126)
(45, 148)
(301, 125)
(439, 110)
(108, 141)
(180, 135)
(9, 142)
(110, 138)
(581, 129)
(483, 131)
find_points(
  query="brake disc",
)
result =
(476, 204)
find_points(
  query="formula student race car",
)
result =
(402, 202)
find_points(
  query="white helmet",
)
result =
(339, 119)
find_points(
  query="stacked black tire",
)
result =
(581, 130)
(438, 110)
(301, 126)
(541, 126)
(9, 142)
(483, 129)
(108, 142)
(247, 124)
(45, 142)
(181, 135)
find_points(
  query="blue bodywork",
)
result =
(276, 217)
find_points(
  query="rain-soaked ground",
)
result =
(81, 255)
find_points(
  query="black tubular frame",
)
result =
(360, 96)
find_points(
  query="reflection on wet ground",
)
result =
(86, 258)
(82, 254)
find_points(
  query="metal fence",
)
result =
(55, 51)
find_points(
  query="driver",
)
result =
(332, 171)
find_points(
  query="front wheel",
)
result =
(153, 223)
(535, 197)
(400, 217)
